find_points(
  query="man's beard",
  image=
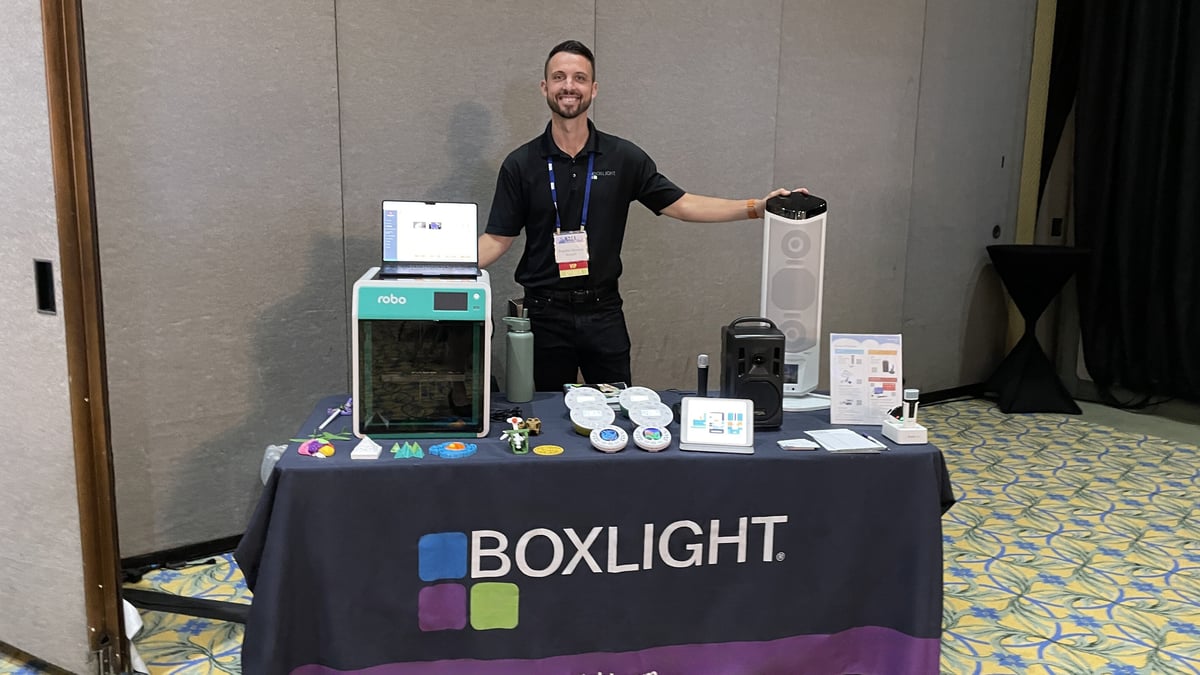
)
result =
(581, 109)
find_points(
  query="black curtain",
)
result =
(1064, 82)
(1137, 174)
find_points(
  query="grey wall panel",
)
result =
(433, 97)
(847, 114)
(215, 131)
(695, 86)
(42, 608)
(970, 135)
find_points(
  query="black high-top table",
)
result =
(1026, 381)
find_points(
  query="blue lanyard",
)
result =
(587, 192)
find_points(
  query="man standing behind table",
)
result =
(574, 227)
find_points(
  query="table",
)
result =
(675, 562)
(1033, 274)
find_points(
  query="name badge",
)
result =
(571, 253)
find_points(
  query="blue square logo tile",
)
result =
(442, 555)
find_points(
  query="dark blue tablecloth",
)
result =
(675, 562)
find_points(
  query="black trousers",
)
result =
(577, 331)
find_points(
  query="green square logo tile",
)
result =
(494, 605)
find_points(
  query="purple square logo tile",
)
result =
(442, 607)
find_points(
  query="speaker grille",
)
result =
(793, 289)
(766, 396)
(796, 336)
(793, 252)
(795, 245)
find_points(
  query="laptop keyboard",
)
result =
(430, 271)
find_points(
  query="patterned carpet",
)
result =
(1074, 549)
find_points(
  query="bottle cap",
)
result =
(517, 324)
(912, 394)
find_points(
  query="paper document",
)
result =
(845, 440)
(864, 377)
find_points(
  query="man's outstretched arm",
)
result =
(700, 209)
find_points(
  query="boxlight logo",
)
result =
(495, 605)
(443, 555)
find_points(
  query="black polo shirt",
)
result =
(623, 172)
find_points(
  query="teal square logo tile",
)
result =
(494, 606)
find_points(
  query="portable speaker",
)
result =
(792, 279)
(752, 367)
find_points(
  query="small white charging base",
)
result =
(905, 434)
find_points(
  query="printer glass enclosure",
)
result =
(421, 377)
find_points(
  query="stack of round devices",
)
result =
(591, 416)
(588, 410)
(581, 396)
(586, 418)
(634, 398)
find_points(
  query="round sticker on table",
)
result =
(548, 450)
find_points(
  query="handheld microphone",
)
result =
(912, 397)
(702, 375)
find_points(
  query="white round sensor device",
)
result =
(609, 439)
(652, 439)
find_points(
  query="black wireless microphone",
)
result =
(702, 375)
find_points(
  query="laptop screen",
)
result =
(429, 232)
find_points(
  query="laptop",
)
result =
(429, 239)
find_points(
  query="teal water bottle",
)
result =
(518, 360)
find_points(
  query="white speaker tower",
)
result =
(792, 280)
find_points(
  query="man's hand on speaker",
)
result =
(760, 205)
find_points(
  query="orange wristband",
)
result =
(751, 209)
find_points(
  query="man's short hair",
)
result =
(571, 47)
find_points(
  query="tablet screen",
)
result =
(717, 421)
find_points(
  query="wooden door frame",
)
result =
(82, 308)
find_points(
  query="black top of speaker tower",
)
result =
(796, 206)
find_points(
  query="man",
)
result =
(574, 226)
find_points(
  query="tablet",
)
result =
(717, 425)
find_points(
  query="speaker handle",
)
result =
(753, 319)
